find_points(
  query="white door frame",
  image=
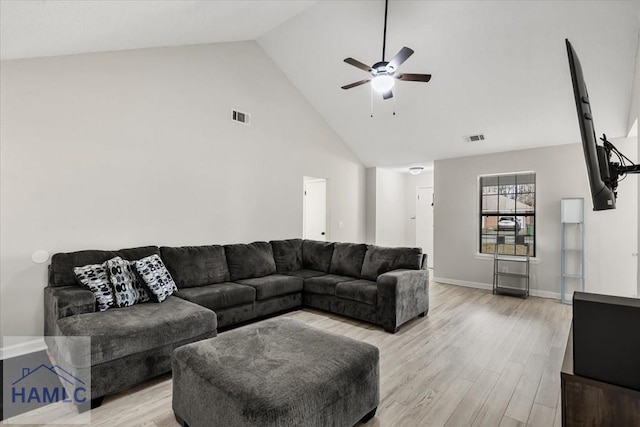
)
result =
(430, 256)
(312, 180)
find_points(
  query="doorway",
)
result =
(424, 222)
(314, 209)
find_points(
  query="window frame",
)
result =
(497, 213)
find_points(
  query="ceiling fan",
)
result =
(383, 74)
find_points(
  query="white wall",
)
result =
(412, 182)
(611, 236)
(390, 208)
(137, 147)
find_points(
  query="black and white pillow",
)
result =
(156, 276)
(126, 287)
(95, 277)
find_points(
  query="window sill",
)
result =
(488, 257)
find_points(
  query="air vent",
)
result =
(240, 117)
(474, 138)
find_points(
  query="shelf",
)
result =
(511, 258)
(520, 275)
(504, 274)
(572, 253)
(522, 293)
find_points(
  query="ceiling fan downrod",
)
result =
(384, 32)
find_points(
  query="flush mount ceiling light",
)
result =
(416, 170)
(383, 73)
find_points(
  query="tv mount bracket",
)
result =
(616, 169)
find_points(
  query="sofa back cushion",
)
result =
(347, 259)
(62, 264)
(192, 266)
(250, 260)
(317, 255)
(379, 260)
(287, 254)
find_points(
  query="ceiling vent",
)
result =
(474, 138)
(240, 117)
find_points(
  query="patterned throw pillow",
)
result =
(156, 276)
(95, 277)
(126, 287)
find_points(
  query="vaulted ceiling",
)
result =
(499, 68)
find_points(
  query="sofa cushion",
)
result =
(316, 255)
(325, 285)
(365, 291)
(305, 274)
(62, 264)
(121, 332)
(274, 285)
(196, 265)
(347, 259)
(220, 295)
(250, 260)
(94, 277)
(156, 277)
(287, 254)
(379, 260)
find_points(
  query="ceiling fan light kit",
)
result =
(383, 73)
(382, 83)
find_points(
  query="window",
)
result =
(508, 213)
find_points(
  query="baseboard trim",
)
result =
(488, 286)
(22, 348)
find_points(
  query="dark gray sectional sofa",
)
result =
(221, 286)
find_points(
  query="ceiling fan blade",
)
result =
(414, 77)
(387, 95)
(361, 82)
(400, 57)
(358, 64)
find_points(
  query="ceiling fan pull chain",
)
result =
(371, 102)
(394, 104)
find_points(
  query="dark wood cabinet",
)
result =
(587, 402)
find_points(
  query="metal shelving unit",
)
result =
(501, 270)
(572, 250)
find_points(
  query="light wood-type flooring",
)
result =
(476, 360)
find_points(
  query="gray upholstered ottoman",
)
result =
(278, 372)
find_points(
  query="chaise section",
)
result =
(220, 295)
(124, 339)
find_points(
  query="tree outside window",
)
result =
(508, 213)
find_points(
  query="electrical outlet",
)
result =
(340, 224)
